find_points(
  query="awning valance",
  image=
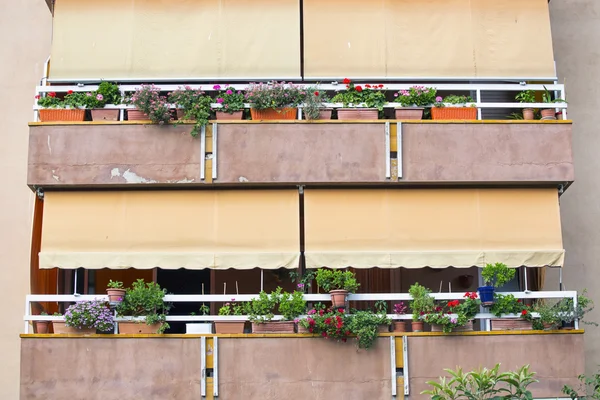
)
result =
(241, 229)
(414, 228)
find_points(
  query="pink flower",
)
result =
(217, 87)
(232, 299)
(220, 100)
(99, 97)
(439, 99)
(229, 91)
(395, 94)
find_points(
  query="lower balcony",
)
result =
(295, 366)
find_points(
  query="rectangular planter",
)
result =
(357, 113)
(203, 327)
(511, 324)
(409, 113)
(274, 327)
(448, 113)
(235, 116)
(137, 115)
(61, 114)
(102, 114)
(130, 328)
(60, 327)
(287, 113)
(229, 326)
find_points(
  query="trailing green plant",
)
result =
(114, 284)
(497, 275)
(422, 301)
(195, 105)
(239, 308)
(329, 280)
(274, 95)
(589, 388)
(509, 304)
(231, 100)
(145, 300)
(365, 325)
(93, 314)
(148, 100)
(416, 96)
(303, 280)
(292, 305)
(107, 93)
(370, 96)
(313, 103)
(526, 96)
(482, 384)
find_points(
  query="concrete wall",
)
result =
(25, 30)
(576, 34)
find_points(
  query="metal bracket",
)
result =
(405, 369)
(215, 366)
(40, 193)
(203, 366)
(214, 150)
(301, 189)
(388, 160)
(399, 148)
(202, 153)
(561, 189)
(393, 364)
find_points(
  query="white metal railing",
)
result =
(223, 298)
(477, 89)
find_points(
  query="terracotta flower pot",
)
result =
(357, 113)
(229, 327)
(137, 115)
(179, 113)
(302, 329)
(528, 114)
(409, 113)
(102, 114)
(338, 298)
(399, 326)
(468, 327)
(446, 113)
(325, 113)
(60, 327)
(383, 328)
(237, 115)
(274, 327)
(548, 114)
(128, 328)
(274, 114)
(61, 114)
(511, 324)
(41, 327)
(417, 326)
(115, 295)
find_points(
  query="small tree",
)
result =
(497, 274)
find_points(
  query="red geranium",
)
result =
(347, 81)
(368, 86)
(524, 312)
(316, 93)
(453, 303)
(37, 96)
(52, 94)
(359, 89)
(70, 92)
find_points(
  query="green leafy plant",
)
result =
(453, 100)
(195, 105)
(365, 325)
(329, 280)
(262, 308)
(416, 96)
(114, 284)
(313, 103)
(526, 96)
(381, 307)
(89, 314)
(107, 93)
(71, 100)
(422, 301)
(231, 100)
(292, 305)
(549, 317)
(508, 304)
(233, 308)
(547, 97)
(454, 313)
(145, 300)
(274, 95)
(370, 96)
(483, 384)
(57, 314)
(148, 100)
(497, 275)
(589, 388)
(50, 100)
(568, 312)
(304, 280)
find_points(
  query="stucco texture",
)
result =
(25, 30)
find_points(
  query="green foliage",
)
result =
(289, 305)
(444, 315)
(508, 304)
(292, 305)
(204, 309)
(148, 100)
(107, 93)
(454, 100)
(568, 312)
(547, 97)
(589, 388)
(304, 280)
(526, 96)
(381, 307)
(71, 100)
(422, 301)
(515, 116)
(365, 324)
(548, 315)
(483, 384)
(497, 275)
(274, 95)
(416, 96)
(50, 100)
(114, 284)
(195, 105)
(239, 308)
(313, 103)
(145, 300)
(329, 280)
(359, 96)
(229, 99)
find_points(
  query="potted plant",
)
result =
(338, 283)
(568, 313)
(107, 93)
(234, 325)
(150, 105)
(526, 96)
(308, 323)
(192, 105)
(360, 102)
(85, 317)
(274, 100)
(329, 323)
(421, 304)
(508, 304)
(231, 103)
(41, 327)
(381, 310)
(115, 291)
(400, 309)
(262, 308)
(365, 325)
(144, 302)
(549, 317)
(494, 276)
(200, 327)
(413, 101)
(549, 113)
(71, 108)
(313, 104)
(454, 107)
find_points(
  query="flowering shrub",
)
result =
(508, 304)
(233, 308)
(453, 100)
(231, 100)
(195, 105)
(71, 100)
(370, 96)
(416, 96)
(49, 100)
(148, 100)
(274, 95)
(314, 102)
(107, 93)
(89, 314)
(454, 314)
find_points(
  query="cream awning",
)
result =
(427, 38)
(148, 39)
(436, 228)
(241, 229)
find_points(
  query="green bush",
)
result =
(422, 301)
(329, 280)
(497, 275)
(145, 300)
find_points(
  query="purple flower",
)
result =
(220, 100)
(453, 320)
(300, 286)
(217, 87)
(229, 91)
(99, 97)
(439, 99)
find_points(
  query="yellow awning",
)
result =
(147, 39)
(171, 229)
(414, 228)
(427, 38)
